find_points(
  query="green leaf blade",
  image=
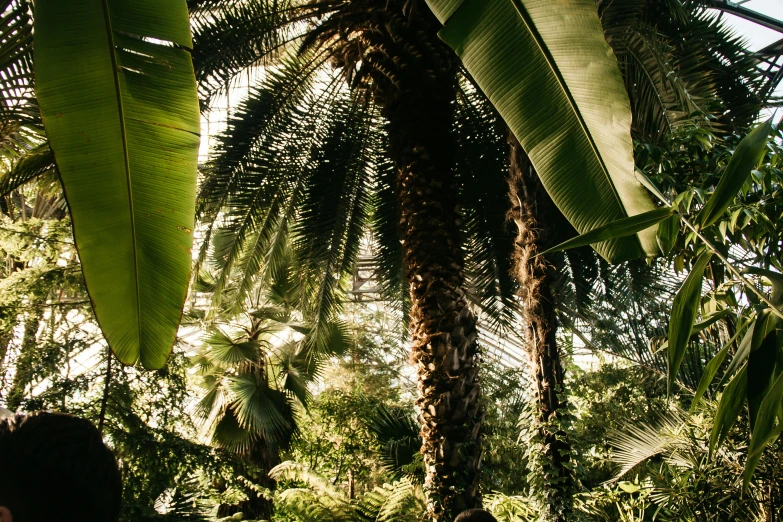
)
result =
(121, 115)
(573, 120)
(668, 230)
(712, 369)
(684, 310)
(748, 154)
(728, 409)
(765, 430)
(616, 229)
(761, 363)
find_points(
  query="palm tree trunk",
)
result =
(536, 219)
(263, 456)
(418, 104)
(256, 463)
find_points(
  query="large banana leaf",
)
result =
(547, 69)
(115, 83)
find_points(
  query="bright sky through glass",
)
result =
(758, 36)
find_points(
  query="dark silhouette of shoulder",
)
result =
(55, 467)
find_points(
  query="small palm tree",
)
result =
(255, 366)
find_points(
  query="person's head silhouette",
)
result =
(56, 468)
(475, 515)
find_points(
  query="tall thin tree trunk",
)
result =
(106, 388)
(417, 97)
(28, 357)
(6, 336)
(537, 219)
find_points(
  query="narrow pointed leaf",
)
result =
(617, 229)
(710, 320)
(761, 363)
(667, 233)
(764, 430)
(712, 369)
(747, 156)
(743, 352)
(549, 72)
(775, 278)
(728, 409)
(684, 311)
(119, 104)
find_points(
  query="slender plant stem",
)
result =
(105, 399)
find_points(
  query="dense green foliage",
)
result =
(287, 397)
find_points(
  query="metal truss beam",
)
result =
(770, 59)
(736, 9)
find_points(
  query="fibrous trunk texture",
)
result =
(536, 219)
(418, 102)
(264, 456)
(259, 460)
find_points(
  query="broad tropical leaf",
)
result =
(118, 98)
(549, 72)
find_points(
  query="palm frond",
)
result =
(230, 37)
(252, 187)
(386, 234)
(261, 409)
(226, 350)
(336, 206)
(638, 442)
(679, 58)
(295, 370)
(623, 310)
(33, 162)
(229, 434)
(482, 164)
(398, 434)
(17, 79)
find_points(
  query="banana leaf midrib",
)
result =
(123, 130)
